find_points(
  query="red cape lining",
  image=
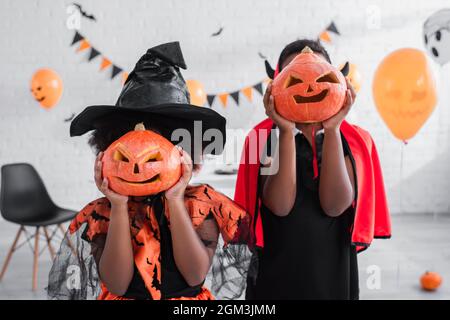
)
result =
(372, 219)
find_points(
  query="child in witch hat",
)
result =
(325, 203)
(130, 247)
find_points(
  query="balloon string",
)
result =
(401, 175)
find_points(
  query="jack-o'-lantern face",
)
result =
(141, 163)
(309, 89)
(46, 88)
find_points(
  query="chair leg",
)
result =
(10, 253)
(36, 258)
(62, 229)
(49, 243)
(74, 252)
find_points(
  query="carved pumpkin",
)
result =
(309, 89)
(430, 281)
(141, 163)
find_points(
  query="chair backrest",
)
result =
(23, 196)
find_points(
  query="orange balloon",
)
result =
(197, 92)
(354, 76)
(46, 87)
(404, 91)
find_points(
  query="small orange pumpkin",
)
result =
(430, 281)
(309, 89)
(141, 163)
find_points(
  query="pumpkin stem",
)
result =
(139, 127)
(307, 50)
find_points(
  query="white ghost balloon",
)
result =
(436, 34)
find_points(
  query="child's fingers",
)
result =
(350, 98)
(187, 160)
(352, 90)
(180, 150)
(348, 102)
(98, 172)
(271, 103)
(267, 94)
(270, 110)
(104, 186)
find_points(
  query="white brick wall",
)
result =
(33, 35)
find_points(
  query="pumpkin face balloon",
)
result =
(309, 89)
(141, 163)
(404, 91)
(46, 87)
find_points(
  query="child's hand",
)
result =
(102, 184)
(269, 104)
(335, 121)
(177, 191)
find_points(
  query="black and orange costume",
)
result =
(156, 275)
(155, 92)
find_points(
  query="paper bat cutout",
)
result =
(98, 217)
(69, 118)
(218, 32)
(84, 13)
(262, 56)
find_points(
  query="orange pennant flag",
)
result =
(325, 36)
(105, 63)
(248, 92)
(224, 98)
(124, 77)
(84, 44)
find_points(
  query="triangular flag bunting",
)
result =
(248, 92)
(105, 63)
(84, 44)
(224, 98)
(332, 28)
(258, 87)
(124, 77)
(115, 71)
(235, 96)
(325, 36)
(210, 98)
(76, 38)
(93, 54)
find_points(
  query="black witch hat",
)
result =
(155, 90)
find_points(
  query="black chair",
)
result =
(24, 200)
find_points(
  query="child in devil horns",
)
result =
(325, 202)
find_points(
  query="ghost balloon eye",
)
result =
(438, 35)
(329, 77)
(292, 81)
(119, 156)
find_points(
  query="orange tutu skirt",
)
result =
(205, 294)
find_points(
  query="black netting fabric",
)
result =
(74, 275)
(229, 271)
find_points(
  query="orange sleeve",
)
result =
(204, 200)
(96, 215)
